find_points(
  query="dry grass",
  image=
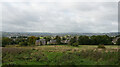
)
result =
(67, 48)
(64, 48)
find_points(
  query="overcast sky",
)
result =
(56, 17)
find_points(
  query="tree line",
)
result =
(93, 40)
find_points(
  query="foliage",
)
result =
(72, 40)
(23, 43)
(31, 40)
(6, 41)
(58, 39)
(118, 42)
(47, 39)
(75, 44)
(63, 38)
(84, 40)
(101, 46)
(101, 39)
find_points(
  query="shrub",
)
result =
(23, 44)
(101, 46)
(75, 44)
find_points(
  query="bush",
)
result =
(101, 46)
(75, 44)
(23, 44)
(118, 42)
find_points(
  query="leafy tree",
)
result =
(47, 38)
(37, 38)
(58, 39)
(118, 35)
(23, 43)
(75, 44)
(19, 40)
(13, 37)
(63, 38)
(6, 41)
(73, 41)
(118, 42)
(84, 40)
(101, 39)
(31, 40)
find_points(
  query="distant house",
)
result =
(40, 42)
(52, 42)
(9, 37)
(43, 41)
(37, 42)
(65, 41)
(115, 40)
(68, 38)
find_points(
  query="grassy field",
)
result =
(60, 55)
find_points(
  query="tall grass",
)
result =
(22, 56)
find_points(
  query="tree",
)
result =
(23, 43)
(58, 39)
(47, 38)
(18, 40)
(118, 42)
(6, 41)
(101, 39)
(84, 40)
(37, 38)
(73, 41)
(31, 40)
(75, 44)
(63, 38)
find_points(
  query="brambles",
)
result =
(75, 44)
(101, 46)
(23, 43)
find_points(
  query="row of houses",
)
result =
(52, 41)
(44, 42)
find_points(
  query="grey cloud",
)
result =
(60, 17)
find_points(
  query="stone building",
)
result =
(65, 41)
(52, 42)
(37, 42)
(40, 42)
(115, 40)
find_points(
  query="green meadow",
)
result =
(60, 55)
